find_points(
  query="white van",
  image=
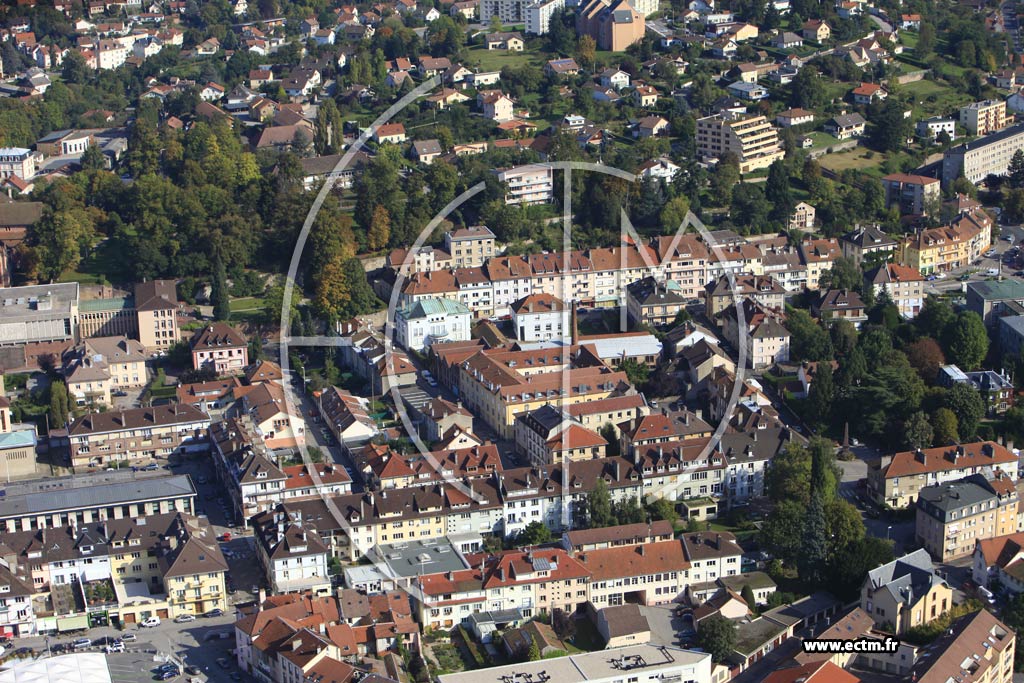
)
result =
(150, 622)
(992, 272)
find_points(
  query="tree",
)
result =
(717, 636)
(918, 430)
(844, 274)
(966, 340)
(535, 533)
(944, 426)
(331, 296)
(807, 90)
(1015, 171)
(968, 406)
(925, 356)
(891, 129)
(780, 533)
(599, 505)
(533, 654)
(221, 300)
(58, 404)
(819, 398)
(636, 372)
(664, 509)
(813, 543)
(75, 69)
(673, 213)
(777, 188)
(935, 316)
(586, 51)
(380, 229)
(808, 340)
(849, 565)
(93, 159)
(748, 596)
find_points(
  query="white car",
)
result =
(150, 622)
(184, 618)
(116, 646)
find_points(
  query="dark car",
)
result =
(192, 670)
(215, 613)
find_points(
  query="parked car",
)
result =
(80, 643)
(169, 674)
(184, 618)
(116, 646)
(217, 612)
(226, 536)
(224, 662)
(150, 622)
(129, 638)
(151, 467)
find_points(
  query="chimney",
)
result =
(261, 597)
(640, 549)
(718, 541)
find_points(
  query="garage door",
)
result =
(129, 617)
(162, 613)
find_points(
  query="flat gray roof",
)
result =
(102, 489)
(38, 301)
(412, 558)
(602, 665)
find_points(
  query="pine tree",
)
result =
(58, 405)
(814, 543)
(1016, 169)
(533, 654)
(748, 596)
(819, 398)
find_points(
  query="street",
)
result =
(198, 643)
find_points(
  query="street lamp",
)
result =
(888, 531)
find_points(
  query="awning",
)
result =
(72, 623)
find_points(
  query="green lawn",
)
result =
(932, 98)
(854, 158)
(246, 303)
(496, 60)
(822, 139)
(93, 268)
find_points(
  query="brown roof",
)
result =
(136, 418)
(19, 214)
(965, 456)
(651, 558)
(218, 336)
(156, 295)
(703, 545)
(817, 672)
(976, 639)
(620, 535)
(538, 303)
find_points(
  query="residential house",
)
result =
(905, 593)
(220, 348)
(912, 194)
(846, 126)
(896, 480)
(903, 285)
(100, 438)
(953, 517)
(840, 304)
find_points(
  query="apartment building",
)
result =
(650, 302)
(541, 317)
(137, 434)
(997, 562)
(867, 243)
(18, 161)
(953, 517)
(647, 573)
(163, 565)
(300, 638)
(291, 554)
(902, 284)
(149, 314)
(997, 299)
(912, 194)
(977, 645)
(156, 304)
(819, 255)
(470, 247)
(762, 333)
(498, 386)
(753, 140)
(539, 13)
(38, 313)
(762, 289)
(988, 155)
(530, 184)
(905, 593)
(613, 24)
(430, 321)
(547, 435)
(84, 498)
(220, 348)
(947, 247)
(983, 118)
(101, 365)
(897, 480)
